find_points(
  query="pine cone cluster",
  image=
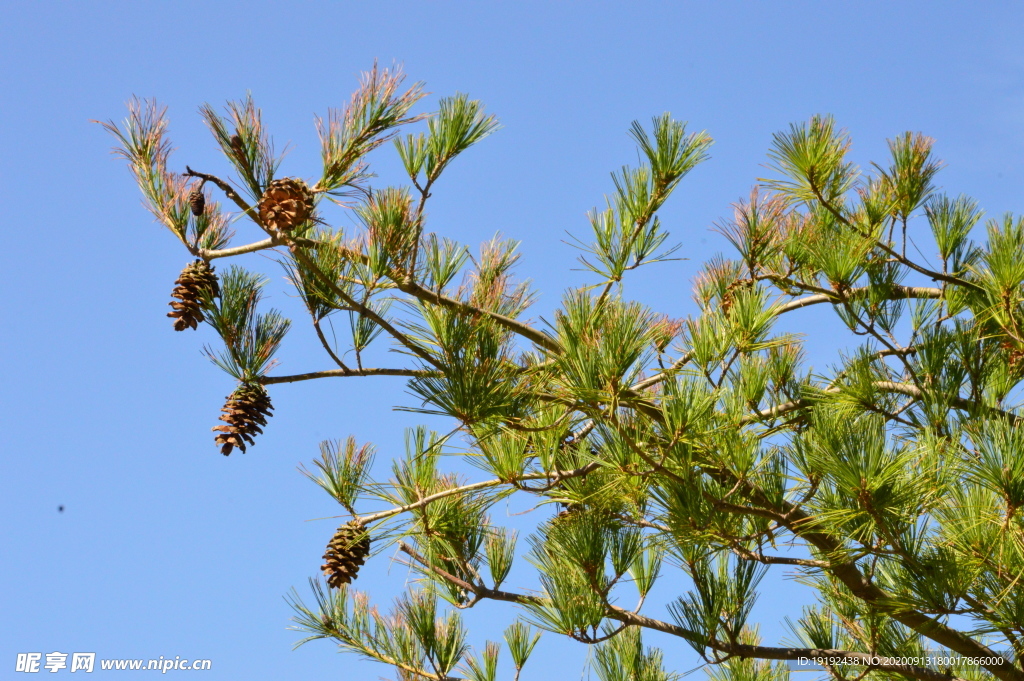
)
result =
(346, 553)
(286, 204)
(196, 279)
(247, 408)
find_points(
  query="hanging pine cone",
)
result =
(197, 200)
(196, 279)
(346, 553)
(237, 147)
(286, 204)
(245, 411)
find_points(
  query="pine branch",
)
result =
(898, 293)
(345, 373)
(229, 191)
(662, 376)
(797, 521)
(422, 293)
(239, 250)
(931, 274)
(327, 346)
(742, 650)
(777, 560)
(730, 649)
(363, 309)
(554, 478)
(539, 337)
(887, 386)
(479, 590)
(800, 523)
(656, 200)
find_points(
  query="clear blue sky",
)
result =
(168, 548)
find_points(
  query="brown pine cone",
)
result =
(237, 147)
(346, 553)
(286, 204)
(197, 201)
(196, 279)
(246, 409)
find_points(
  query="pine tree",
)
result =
(701, 452)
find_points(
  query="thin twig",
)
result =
(345, 373)
(229, 191)
(307, 262)
(539, 337)
(327, 346)
(933, 275)
(556, 476)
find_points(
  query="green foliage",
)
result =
(459, 124)
(719, 605)
(521, 641)
(320, 299)
(245, 143)
(628, 233)
(390, 221)
(372, 117)
(811, 158)
(142, 142)
(677, 460)
(908, 181)
(250, 338)
(344, 470)
(486, 667)
(624, 658)
(479, 378)
(951, 221)
(672, 153)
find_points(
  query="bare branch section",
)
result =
(897, 293)
(239, 250)
(345, 373)
(552, 478)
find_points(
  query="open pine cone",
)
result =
(247, 408)
(197, 277)
(286, 204)
(346, 553)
